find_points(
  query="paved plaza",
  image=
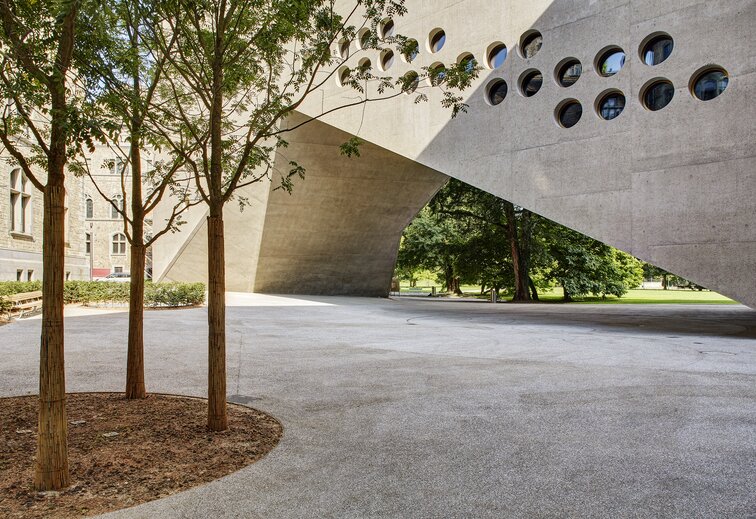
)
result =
(422, 408)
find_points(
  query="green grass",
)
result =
(633, 297)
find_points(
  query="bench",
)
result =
(25, 302)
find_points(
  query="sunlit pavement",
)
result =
(426, 408)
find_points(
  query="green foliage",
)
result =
(91, 292)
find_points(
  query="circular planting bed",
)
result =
(125, 452)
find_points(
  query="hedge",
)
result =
(91, 292)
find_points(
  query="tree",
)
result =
(239, 69)
(122, 86)
(38, 42)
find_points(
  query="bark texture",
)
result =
(216, 319)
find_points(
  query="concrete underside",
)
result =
(439, 409)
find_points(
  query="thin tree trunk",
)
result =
(52, 446)
(567, 296)
(533, 290)
(135, 388)
(521, 292)
(216, 319)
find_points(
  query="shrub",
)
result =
(88, 292)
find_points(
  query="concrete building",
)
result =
(628, 120)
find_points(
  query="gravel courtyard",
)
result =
(422, 408)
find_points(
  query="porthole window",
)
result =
(388, 28)
(437, 40)
(365, 65)
(343, 76)
(610, 61)
(344, 48)
(387, 59)
(497, 55)
(657, 49)
(658, 94)
(569, 113)
(436, 74)
(530, 44)
(410, 50)
(530, 83)
(611, 105)
(710, 83)
(409, 82)
(497, 91)
(364, 40)
(467, 62)
(569, 72)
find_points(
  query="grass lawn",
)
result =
(633, 297)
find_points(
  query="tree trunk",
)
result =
(216, 319)
(52, 446)
(533, 290)
(521, 292)
(567, 296)
(135, 388)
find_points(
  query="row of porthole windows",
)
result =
(707, 84)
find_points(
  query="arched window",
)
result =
(20, 203)
(119, 243)
(116, 202)
(88, 208)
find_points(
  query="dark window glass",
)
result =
(387, 59)
(569, 73)
(570, 114)
(344, 49)
(437, 75)
(468, 63)
(497, 92)
(388, 29)
(711, 84)
(411, 50)
(497, 56)
(531, 44)
(658, 95)
(89, 208)
(437, 41)
(365, 40)
(365, 65)
(531, 83)
(611, 106)
(410, 81)
(344, 75)
(658, 50)
(611, 62)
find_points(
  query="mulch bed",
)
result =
(161, 447)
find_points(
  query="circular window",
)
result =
(387, 59)
(530, 43)
(710, 83)
(569, 72)
(364, 40)
(610, 61)
(467, 62)
(531, 82)
(388, 28)
(657, 49)
(497, 91)
(365, 65)
(409, 82)
(410, 50)
(658, 94)
(569, 113)
(344, 48)
(437, 40)
(611, 105)
(497, 55)
(343, 76)
(436, 74)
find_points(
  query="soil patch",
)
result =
(125, 452)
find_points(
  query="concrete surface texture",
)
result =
(416, 408)
(673, 187)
